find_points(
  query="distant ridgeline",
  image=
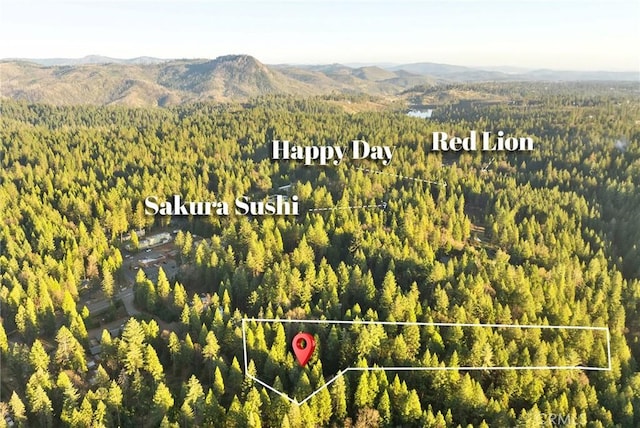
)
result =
(152, 82)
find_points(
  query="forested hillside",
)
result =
(150, 82)
(549, 237)
(226, 78)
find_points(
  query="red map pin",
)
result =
(303, 346)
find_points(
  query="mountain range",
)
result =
(147, 81)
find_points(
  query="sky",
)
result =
(576, 35)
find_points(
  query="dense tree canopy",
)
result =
(548, 237)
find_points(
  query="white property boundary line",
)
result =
(411, 368)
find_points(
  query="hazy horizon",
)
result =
(505, 68)
(563, 35)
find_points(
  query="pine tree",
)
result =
(38, 357)
(108, 283)
(218, 383)
(152, 363)
(40, 404)
(131, 346)
(135, 241)
(4, 343)
(175, 349)
(235, 417)
(114, 399)
(18, 410)
(339, 398)
(362, 396)
(234, 379)
(69, 352)
(162, 400)
(195, 398)
(213, 411)
(384, 409)
(388, 294)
